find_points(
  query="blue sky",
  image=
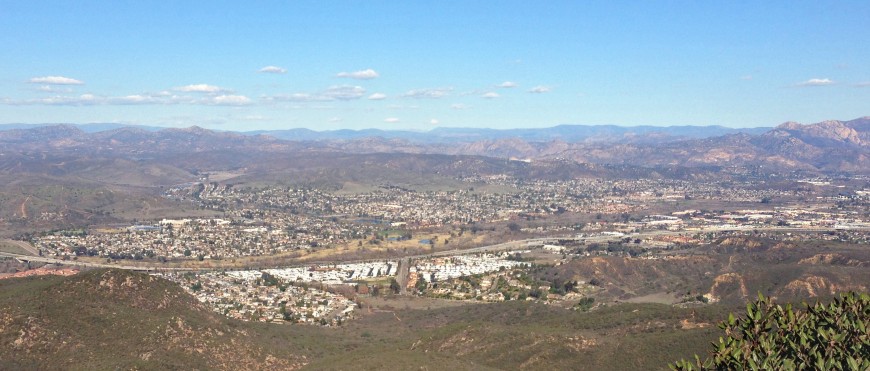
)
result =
(418, 65)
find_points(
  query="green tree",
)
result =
(831, 336)
(585, 304)
(394, 285)
(421, 284)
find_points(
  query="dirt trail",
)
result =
(146, 209)
(24, 207)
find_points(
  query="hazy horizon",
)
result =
(415, 130)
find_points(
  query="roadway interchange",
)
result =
(524, 244)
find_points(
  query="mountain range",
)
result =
(568, 133)
(825, 146)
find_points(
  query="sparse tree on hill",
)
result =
(394, 285)
(421, 284)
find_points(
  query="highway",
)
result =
(507, 246)
(76, 263)
(534, 242)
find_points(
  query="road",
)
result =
(507, 246)
(525, 244)
(77, 263)
(402, 273)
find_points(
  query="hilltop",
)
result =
(118, 319)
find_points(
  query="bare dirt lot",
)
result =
(657, 298)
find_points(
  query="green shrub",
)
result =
(831, 336)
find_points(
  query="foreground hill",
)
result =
(114, 319)
(521, 335)
(121, 320)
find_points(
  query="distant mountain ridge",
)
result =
(567, 133)
(825, 146)
(854, 132)
(87, 128)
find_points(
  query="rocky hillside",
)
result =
(731, 270)
(825, 146)
(121, 320)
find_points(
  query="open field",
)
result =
(656, 298)
(17, 247)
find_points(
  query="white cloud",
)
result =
(367, 74)
(433, 93)
(179, 99)
(816, 82)
(540, 89)
(338, 92)
(391, 120)
(459, 106)
(53, 89)
(490, 95)
(295, 97)
(60, 100)
(433, 122)
(508, 85)
(135, 99)
(200, 88)
(335, 119)
(378, 96)
(344, 92)
(229, 100)
(55, 80)
(156, 99)
(272, 69)
(92, 100)
(160, 98)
